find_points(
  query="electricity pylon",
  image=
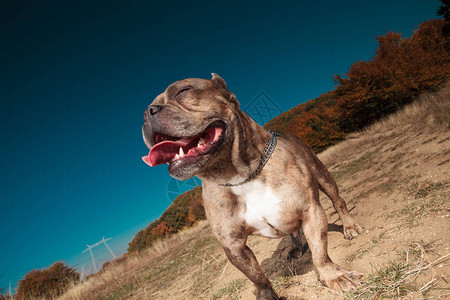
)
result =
(102, 241)
(82, 274)
(109, 249)
(92, 256)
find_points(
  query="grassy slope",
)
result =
(395, 178)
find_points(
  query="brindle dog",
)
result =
(198, 129)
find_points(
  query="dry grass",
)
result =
(398, 279)
(431, 112)
(427, 198)
(120, 279)
(374, 242)
(230, 290)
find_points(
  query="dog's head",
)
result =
(189, 124)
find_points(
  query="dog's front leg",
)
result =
(315, 228)
(243, 258)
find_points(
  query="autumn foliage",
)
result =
(162, 230)
(185, 211)
(401, 69)
(46, 283)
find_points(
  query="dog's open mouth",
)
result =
(168, 149)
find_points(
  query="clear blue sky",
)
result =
(76, 77)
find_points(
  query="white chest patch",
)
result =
(263, 208)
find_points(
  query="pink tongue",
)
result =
(165, 151)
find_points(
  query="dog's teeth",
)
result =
(201, 141)
(181, 152)
(177, 156)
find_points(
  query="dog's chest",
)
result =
(262, 205)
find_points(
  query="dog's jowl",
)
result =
(254, 181)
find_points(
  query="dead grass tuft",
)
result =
(399, 279)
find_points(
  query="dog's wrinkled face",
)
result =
(189, 124)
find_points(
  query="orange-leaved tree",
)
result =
(401, 69)
(47, 283)
(162, 230)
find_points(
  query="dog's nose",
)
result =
(153, 109)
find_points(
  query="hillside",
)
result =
(399, 71)
(185, 211)
(395, 178)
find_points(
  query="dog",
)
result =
(255, 182)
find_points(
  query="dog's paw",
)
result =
(340, 280)
(297, 252)
(352, 231)
(266, 294)
(294, 254)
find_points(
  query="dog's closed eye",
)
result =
(181, 92)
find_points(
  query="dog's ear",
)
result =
(217, 79)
